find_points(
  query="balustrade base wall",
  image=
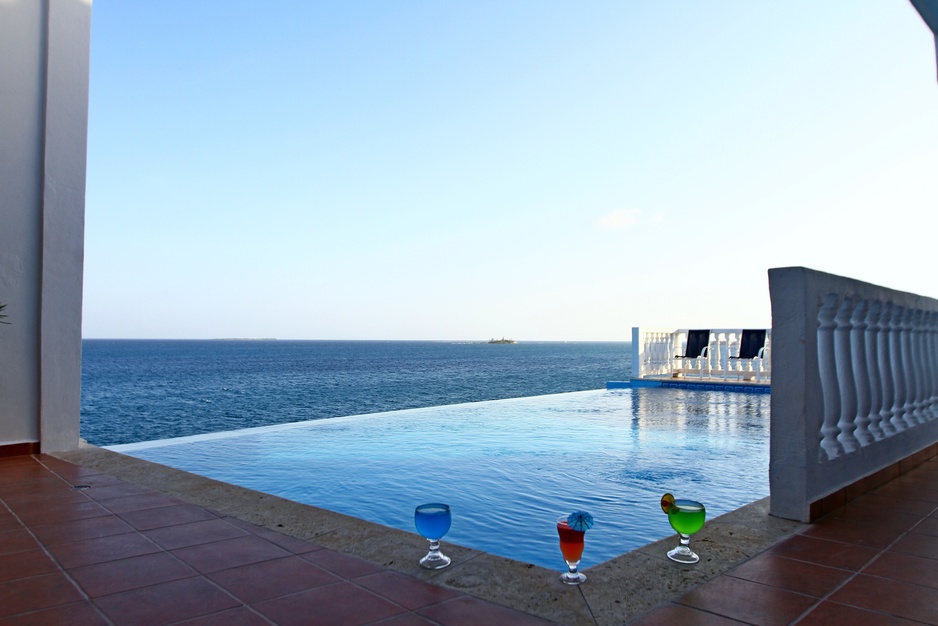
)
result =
(841, 497)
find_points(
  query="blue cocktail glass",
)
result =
(433, 521)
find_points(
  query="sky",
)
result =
(532, 169)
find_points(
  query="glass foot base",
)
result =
(683, 554)
(435, 560)
(570, 578)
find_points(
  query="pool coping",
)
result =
(618, 591)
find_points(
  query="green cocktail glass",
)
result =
(686, 517)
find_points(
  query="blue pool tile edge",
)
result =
(685, 384)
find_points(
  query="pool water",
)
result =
(508, 468)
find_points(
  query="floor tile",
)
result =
(330, 605)
(833, 614)
(79, 614)
(125, 505)
(241, 616)
(148, 519)
(824, 552)
(272, 579)
(194, 533)
(404, 590)
(872, 515)
(65, 469)
(79, 530)
(14, 473)
(466, 611)
(140, 571)
(928, 526)
(917, 544)
(905, 567)
(25, 564)
(672, 614)
(747, 601)
(922, 490)
(102, 549)
(39, 592)
(294, 545)
(222, 555)
(798, 576)
(95, 480)
(61, 512)
(110, 491)
(8, 521)
(16, 541)
(892, 504)
(871, 535)
(407, 619)
(342, 564)
(43, 494)
(901, 599)
(166, 603)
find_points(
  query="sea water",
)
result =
(140, 390)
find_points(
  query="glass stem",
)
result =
(685, 540)
(434, 546)
(572, 566)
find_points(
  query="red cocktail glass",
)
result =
(571, 545)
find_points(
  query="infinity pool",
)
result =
(508, 468)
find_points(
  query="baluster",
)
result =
(931, 358)
(861, 375)
(667, 355)
(830, 443)
(916, 366)
(844, 369)
(873, 331)
(650, 353)
(723, 340)
(895, 368)
(765, 363)
(732, 347)
(653, 352)
(884, 350)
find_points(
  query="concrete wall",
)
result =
(44, 52)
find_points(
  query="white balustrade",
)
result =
(654, 354)
(856, 386)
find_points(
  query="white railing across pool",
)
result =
(856, 388)
(655, 354)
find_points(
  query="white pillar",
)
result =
(44, 53)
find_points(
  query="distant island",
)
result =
(246, 339)
(502, 340)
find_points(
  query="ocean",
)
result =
(142, 390)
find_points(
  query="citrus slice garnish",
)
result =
(667, 501)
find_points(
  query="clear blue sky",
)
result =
(532, 169)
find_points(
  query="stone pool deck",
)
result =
(96, 537)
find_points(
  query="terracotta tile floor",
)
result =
(874, 561)
(122, 554)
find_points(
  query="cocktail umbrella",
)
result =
(580, 520)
